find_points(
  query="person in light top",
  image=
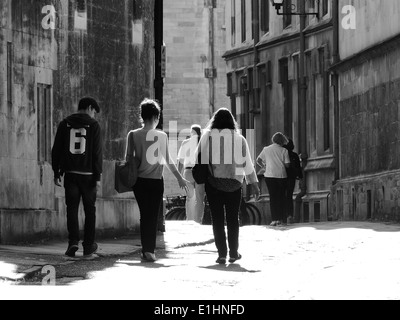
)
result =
(275, 159)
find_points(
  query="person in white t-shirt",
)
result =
(275, 159)
(186, 161)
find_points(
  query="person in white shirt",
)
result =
(227, 152)
(275, 159)
(186, 161)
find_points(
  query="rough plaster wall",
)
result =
(101, 62)
(376, 21)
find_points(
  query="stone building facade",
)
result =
(263, 54)
(52, 53)
(368, 185)
(195, 78)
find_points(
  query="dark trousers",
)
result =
(79, 187)
(277, 194)
(225, 204)
(290, 186)
(149, 196)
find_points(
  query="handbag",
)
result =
(200, 171)
(126, 172)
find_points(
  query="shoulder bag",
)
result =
(126, 172)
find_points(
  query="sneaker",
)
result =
(72, 249)
(221, 260)
(274, 223)
(233, 260)
(149, 257)
(88, 251)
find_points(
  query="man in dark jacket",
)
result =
(294, 173)
(77, 155)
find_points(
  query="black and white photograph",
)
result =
(195, 156)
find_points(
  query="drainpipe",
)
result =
(211, 61)
(335, 82)
(302, 113)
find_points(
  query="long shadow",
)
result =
(230, 268)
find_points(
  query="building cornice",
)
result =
(276, 41)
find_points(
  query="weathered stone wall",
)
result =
(369, 185)
(187, 90)
(106, 51)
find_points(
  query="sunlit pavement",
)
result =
(327, 261)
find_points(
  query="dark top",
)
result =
(294, 171)
(78, 147)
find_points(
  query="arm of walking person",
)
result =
(97, 156)
(174, 170)
(250, 171)
(56, 154)
(261, 160)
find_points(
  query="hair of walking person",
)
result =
(197, 128)
(150, 109)
(87, 102)
(290, 145)
(280, 139)
(223, 119)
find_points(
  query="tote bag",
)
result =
(126, 172)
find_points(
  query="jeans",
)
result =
(149, 196)
(277, 194)
(194, 198)
(77, 187)
(225, 204)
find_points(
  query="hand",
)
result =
(98, 186)
(57, 182)
(256, 192)
(183, 184)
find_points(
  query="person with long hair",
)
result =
(150, 147)
(186, 161)
(275, 159)
(230, 164)
(294, 173)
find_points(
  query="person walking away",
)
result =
(275, 159)
(227, 152)
(150, 147)
(186, 160)
(294, 173)
(77, 155)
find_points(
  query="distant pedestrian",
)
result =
(77, 155)
(275, 159)
(227, 152)
(294, 173)
(186, 161)
(150, 147)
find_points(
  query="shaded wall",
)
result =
(100, 48)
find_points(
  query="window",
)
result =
(233, 23)
(9, 74)
(81, 15)
(254, 17)
(137, 9)
(287, 18)
(44, 122)
(288, 98)
(243, 20)
(323, 58)
(325, 8)
(265, 16)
